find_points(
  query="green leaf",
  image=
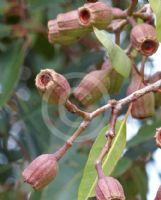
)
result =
(12, 61)
(89, 179)
(156, 6)
(118, 58)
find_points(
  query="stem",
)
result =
(139, 93)
(110, 137)
(128, 50)
(60, 152)
(115, 112)
(117, 26)
(74, 109)
(135, 95)
(132, 21)
(117, 37)
(131, 8)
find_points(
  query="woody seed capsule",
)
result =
(55, 36)
(69, 24)
(53, 86)
(96, 14)
(41, 171)
(144, 106)
(92, 87)
(144, 39)
(109, 188)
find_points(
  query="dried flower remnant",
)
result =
(158, 137)
(144, 39)
(41, 171)
(96, 14)
(53, 86)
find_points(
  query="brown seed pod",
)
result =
(144, 106)
(41, 171)
(69, 24)
(53, 86)
(158, 195)
(92, 87)
(155, 77)
(144, 39)
(109, 188)
(55, 36)
(96, 14)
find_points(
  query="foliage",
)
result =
(24, 131)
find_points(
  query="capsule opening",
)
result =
(84, 16)
(149, 47)
(45, 79)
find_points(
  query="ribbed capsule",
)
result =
(144, 39)
(96, 14)
(53, 86)
(144, 106)
(94, 85)
(109, 188)
(69, 24)
(158, 195)
(41, 171)
(56, 36)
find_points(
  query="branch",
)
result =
(131, 8)
(110, 136)
(118, 104)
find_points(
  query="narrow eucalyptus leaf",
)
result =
(89, 178)
(119, 60)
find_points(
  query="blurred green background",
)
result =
(24, 134)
